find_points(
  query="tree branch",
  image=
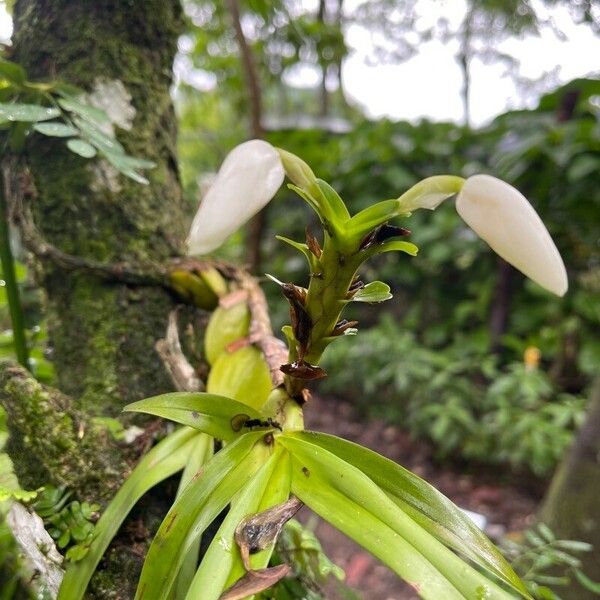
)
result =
(70, 449)
(126, 272)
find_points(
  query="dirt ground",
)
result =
(508, 502)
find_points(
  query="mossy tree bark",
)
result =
(571, 508)
(102, 332)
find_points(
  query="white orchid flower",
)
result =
(501, 216)
(249, 177)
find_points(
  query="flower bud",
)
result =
(297, 170)
(249, 177)
(501, 216)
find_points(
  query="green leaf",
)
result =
(166, 458)
(334, 202)
(310, 257)
(201, 452)
(372, 216)
(27, 112)
(586, 582)
(135, 176)
(13, 72)
(430, 192)
(118, 162)
(197, 506)
(376, 291)
(12, 494)
(427, 507)
(77, 552)
(243, 375)
(574, 545)
(81, 147)
(89, 113)
(55, 129)
(546, 532)
(307, 197)
(130, 162)
(222, 560)
(395, 246)
(353, 483)
(98, 138)
(210, 413)
(225, 326)
(369, 530)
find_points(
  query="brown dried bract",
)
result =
(313, 244)
(356, 285)
(257, 532)
(254, 582)
(303, 370)
(381, 234)
(301, 322)
(342, 325)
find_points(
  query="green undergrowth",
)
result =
(460, 397)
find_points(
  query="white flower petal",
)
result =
(249, 177)
(502, 216)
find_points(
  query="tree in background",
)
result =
(102, 327)
(399, 29)
(247, 47)
(571, 507)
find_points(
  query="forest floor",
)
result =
(507, 501)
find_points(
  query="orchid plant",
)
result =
(268, 465)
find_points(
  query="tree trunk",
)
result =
(464, 61)
(500, 304)
(102, 332)
(571, 508)
(323, 93)
(257, 225)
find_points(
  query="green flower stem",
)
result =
(326, 297)
(12, 290)
(429, 192)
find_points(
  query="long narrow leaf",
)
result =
(200, 453)
(213, 573)
(165, 459)
(428, 507)
(372, 216)
(359, 488)
(216, 415)
(371, 532)
(197, 506)
(277, 491)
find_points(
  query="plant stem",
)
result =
(326, 297)
(12, 289)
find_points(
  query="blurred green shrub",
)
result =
(548, 565)
(459, 397)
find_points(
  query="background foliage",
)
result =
(435, 363)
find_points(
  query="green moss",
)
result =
(67, 451)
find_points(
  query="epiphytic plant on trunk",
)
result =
(266, 465)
